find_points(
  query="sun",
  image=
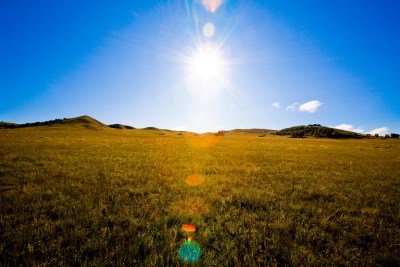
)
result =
(207, 68)
(206, 64)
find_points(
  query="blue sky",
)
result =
(203, 65)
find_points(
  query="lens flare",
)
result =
(211, 5)
(195, 179)
(189, 228)
(203, 140)
(209, 30)
(190, 252)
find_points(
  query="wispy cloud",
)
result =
(276, 104)
(292, 106)
(380, 131)
(311, 106)
(349, 127)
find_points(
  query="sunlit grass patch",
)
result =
(91, 197)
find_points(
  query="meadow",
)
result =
(95, 196)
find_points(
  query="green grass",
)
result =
(73, 195)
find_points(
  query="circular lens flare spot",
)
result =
(190, 251)
(209, 30)
(195, 179)
(189, 228)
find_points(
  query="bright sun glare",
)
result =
(206, 63)
(207, 68)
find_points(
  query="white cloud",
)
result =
(380, 131)
(311, 106)
(292, 106)
(276, 104)
(349, 127)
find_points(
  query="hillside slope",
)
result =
(317, 131)
(85, 121)
(121, 126)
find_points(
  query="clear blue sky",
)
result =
(203, 65)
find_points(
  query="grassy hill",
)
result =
(83, 121)
(317, 131)
(151, 128)
(296, 131)
(7, 125)
(121, 127)
(72, 196)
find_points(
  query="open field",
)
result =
(73, 195)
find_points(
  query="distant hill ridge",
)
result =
(252, 131)
(314, 130)
(85, 121)
(121, 126)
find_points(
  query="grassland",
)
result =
(73, 195)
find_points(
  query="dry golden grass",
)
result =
(73, 195)
(195, 179)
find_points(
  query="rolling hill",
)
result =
(121, 126)
(318, 131)
(85, 121)
(301, 131)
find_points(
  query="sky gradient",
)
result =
(147, 63)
